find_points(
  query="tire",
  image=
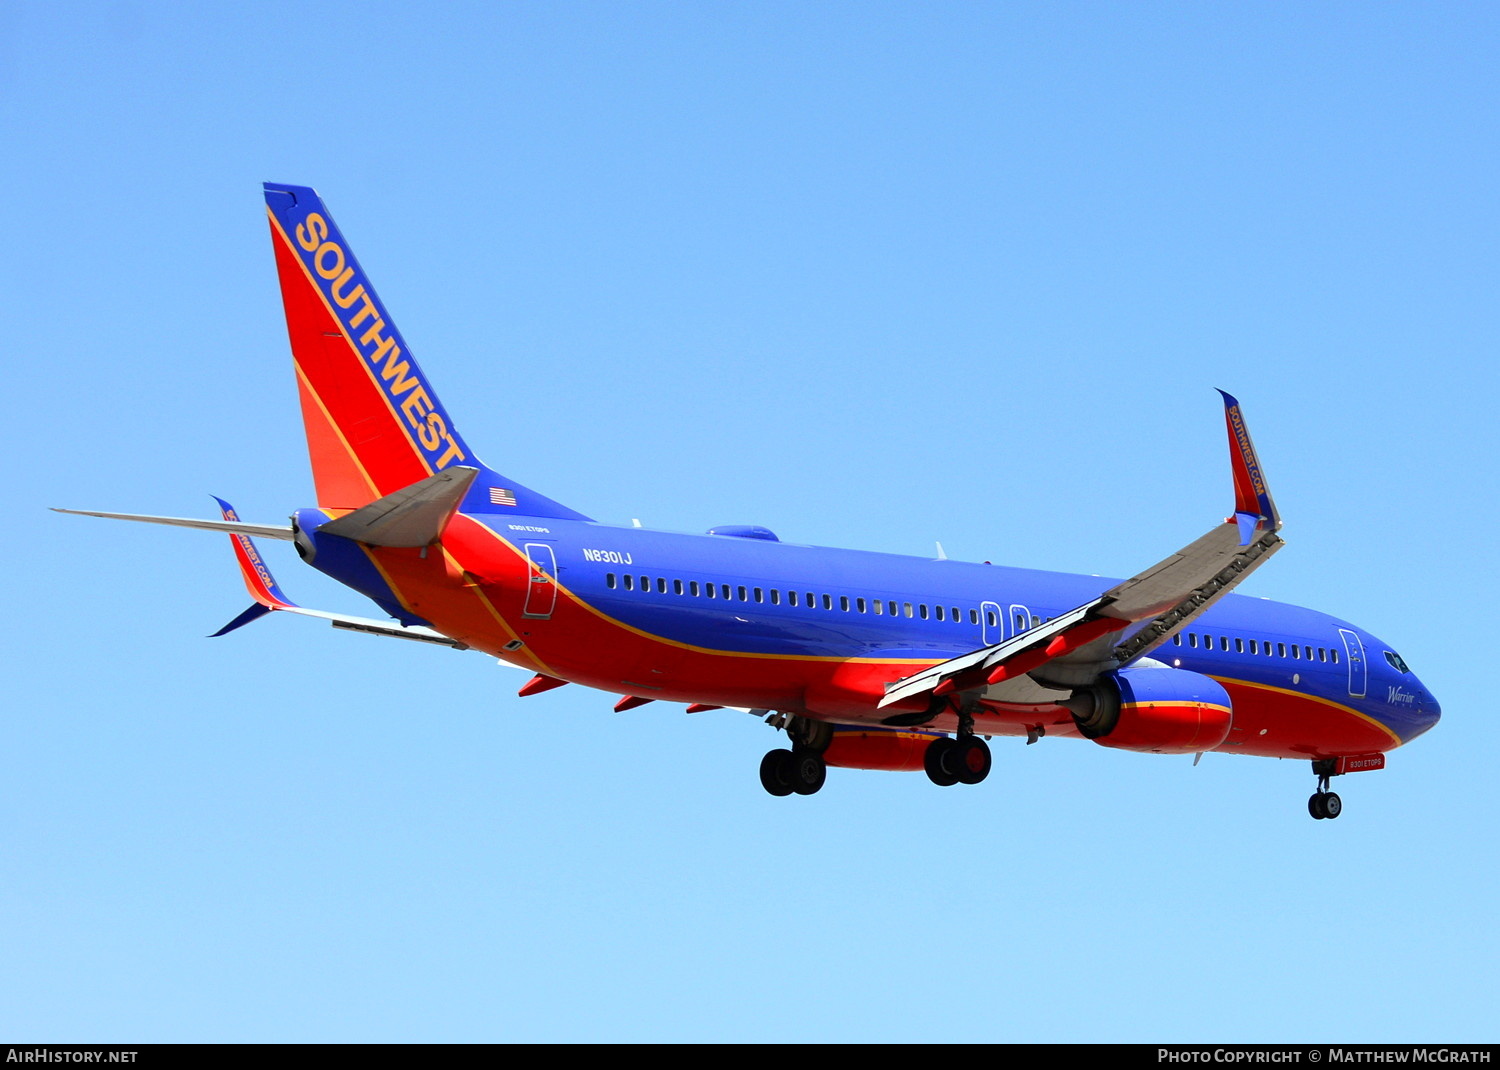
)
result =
(1315, 806)
(776, 772)
(969, 759)
(936, 763)
(1332, 805)
(808, 772)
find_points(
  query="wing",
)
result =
(1130, 619)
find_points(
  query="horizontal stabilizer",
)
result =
(268, 597)
(255, 612)
(234, 527)
(412, 516)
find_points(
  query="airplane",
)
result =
(863, 660)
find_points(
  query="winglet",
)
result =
(1253, 507)
(258, 579)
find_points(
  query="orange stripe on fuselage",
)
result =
(585, 645)
(433, 587)
(1275, 722)
(581, 643)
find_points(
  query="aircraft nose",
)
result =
(1430, 705)
(1427, 706)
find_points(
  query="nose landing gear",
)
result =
(1324, 803)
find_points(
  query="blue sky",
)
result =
(872, 275)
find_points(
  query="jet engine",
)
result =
(1156, 709)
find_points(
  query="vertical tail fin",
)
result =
(374, 424)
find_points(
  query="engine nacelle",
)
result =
(1161, 710)
(874, 748)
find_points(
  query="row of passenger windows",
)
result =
(1250, 646)
(809, 599)
(886, 607)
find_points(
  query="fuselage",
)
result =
(745, 620)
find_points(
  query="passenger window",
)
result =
(859, 604)
(760, 596)
(973, 616)
(989, 617)
(1035, 620)
(844, 602)
(676, 586)
(1295, 653)
(879, 607)
(661, 585)
(955, 618)
(629, 582)
(812, 600)
(609, 580)
(775, 596)
(891, 608)
(1239, 646)
(908, 608)
(645, 583)
(709, 590)
(1193, 639)
(939, 611)
(1177, 639)
(744, 595)
(693, 587)
(1322, 654)
(791, 598)
(1281, 650)
(1334, 655)
(1224, 643)
(828, 601)
(1252, 647)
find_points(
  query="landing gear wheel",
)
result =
(1325, 804)
(776, 772)
(808, 770)
(969, 758)
(937, 763)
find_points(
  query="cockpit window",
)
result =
(1396, 662)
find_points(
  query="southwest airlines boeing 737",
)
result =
(864, 660)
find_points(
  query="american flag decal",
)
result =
(501, 496)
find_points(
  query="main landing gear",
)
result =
(1324, 804)
(801, 769)
(964, 759)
